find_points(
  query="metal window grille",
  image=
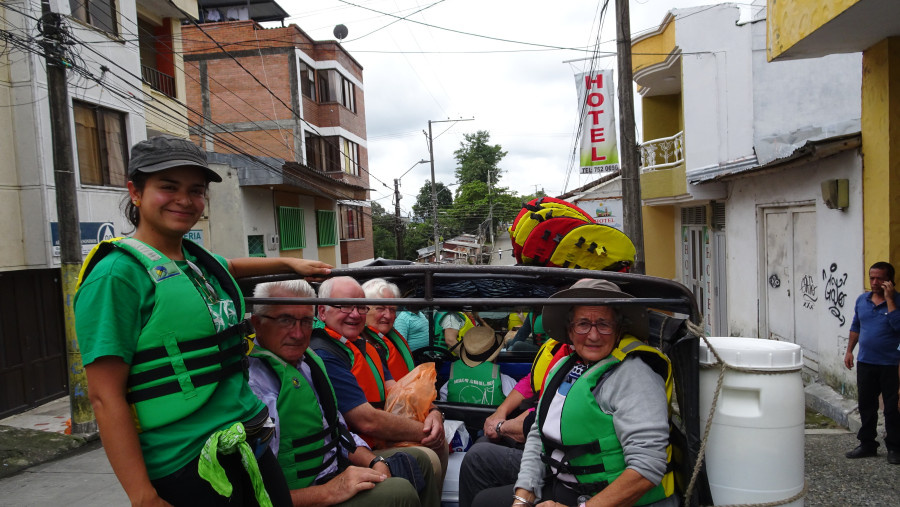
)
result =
(326, 227)
(256, 245)
(718, 216)
(291, 228)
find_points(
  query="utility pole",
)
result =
(434, 185)
(631, 178)
(55, 36)
(397, 217)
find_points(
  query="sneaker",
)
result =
(864, 451)
(893, 457)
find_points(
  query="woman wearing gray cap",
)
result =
(601, 432)
(159, 325)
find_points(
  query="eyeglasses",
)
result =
(584, 327)
(382, 309)
(288, 322)
(362, 310)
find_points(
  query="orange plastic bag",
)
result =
(413, 394)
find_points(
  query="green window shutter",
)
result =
(256, 245)
(291, 228)
(326, 227)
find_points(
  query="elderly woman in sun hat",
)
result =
(601, 432)
(474, 377)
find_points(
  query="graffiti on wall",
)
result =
(834, 292)
(774, 281)
(808, 289)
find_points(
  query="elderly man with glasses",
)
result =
(322, 462)
(361, 378)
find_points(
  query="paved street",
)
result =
(85, 479)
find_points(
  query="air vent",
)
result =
(693, 216)
(718, 215)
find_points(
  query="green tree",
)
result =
(422, 209)
(384, 232)
(477, 160)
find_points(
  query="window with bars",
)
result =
(326, 228)
(351, 222)
(291, 228)
(695, 215)
(101, 144)
(256, 245)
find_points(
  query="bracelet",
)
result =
(521, 501)
(497, 429)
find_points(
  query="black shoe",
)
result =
(864, 451)
(893, 457)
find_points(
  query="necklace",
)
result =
(203, 286)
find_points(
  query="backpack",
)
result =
(527, 221)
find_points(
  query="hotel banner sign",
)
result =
(598, 150)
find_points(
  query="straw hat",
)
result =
(479, 344)
(556, 317)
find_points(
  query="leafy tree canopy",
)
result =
(477, 159)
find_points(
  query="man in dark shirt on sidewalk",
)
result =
(876, 327)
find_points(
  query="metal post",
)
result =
(397, 218)
(631, 183)
(83, 420)
(433, 193)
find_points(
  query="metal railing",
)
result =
(159, 81)
(662, 153)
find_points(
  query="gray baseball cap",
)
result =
(165, 152)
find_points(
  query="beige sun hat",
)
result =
(556, 317)
(479, 344)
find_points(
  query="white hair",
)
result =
(295, 288)
(379, 288)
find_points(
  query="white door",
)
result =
(790, 281)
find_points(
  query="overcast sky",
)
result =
(491, 60)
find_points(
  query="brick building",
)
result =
(288, 114)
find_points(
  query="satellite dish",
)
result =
(340, 32)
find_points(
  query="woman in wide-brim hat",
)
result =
(159, 326)
(601, 430)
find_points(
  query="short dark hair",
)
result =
(887, 267)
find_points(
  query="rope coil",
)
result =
(699, 331)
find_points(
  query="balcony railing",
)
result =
(662, 153)
(159, 81)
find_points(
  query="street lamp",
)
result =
(397, 206)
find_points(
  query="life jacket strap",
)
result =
(174, 386)
(242, 328)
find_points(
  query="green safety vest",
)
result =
(398, 357)
(592, 452)
(438, 332)
(480, 385)
(301, 448)
(179, 359)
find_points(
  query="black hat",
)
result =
(165, 152)
(556, 317)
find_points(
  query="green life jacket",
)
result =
(591, 452)
(393, 348)
(537, 328)
(480, 385)
(437, 333)
(180, 358)
(302, 448)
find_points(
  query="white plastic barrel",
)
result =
(755, 448)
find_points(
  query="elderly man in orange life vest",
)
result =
(361, 377)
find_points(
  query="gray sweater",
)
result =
(635, 396)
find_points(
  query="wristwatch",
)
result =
(379, 459)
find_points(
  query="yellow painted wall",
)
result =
(881, 152)
(653, 50)
(659, 241)
(661, 116)
(789, 21)
(663, 183)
